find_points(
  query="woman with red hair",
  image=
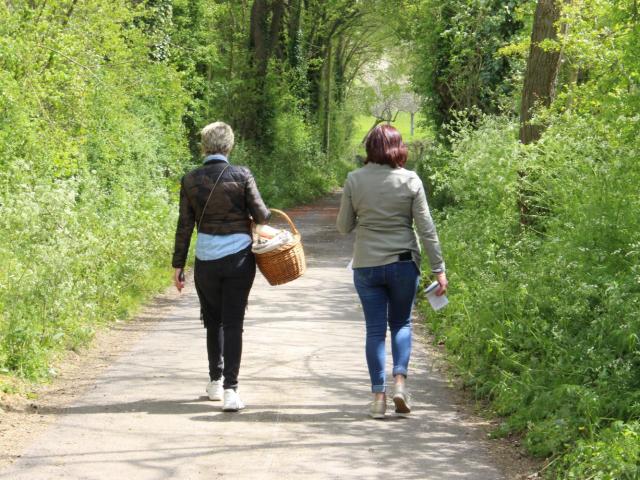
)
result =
(382, 201)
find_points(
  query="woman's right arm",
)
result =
(184, 229)
(346, 220)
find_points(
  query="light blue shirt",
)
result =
(213, 247)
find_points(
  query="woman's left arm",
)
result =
(258, 210)
(427, 229)
(428, 235)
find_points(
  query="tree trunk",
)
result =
(539, 90)
(542, 68)
(277, 13)
(294, 28)
(258, 41)
(339, 70)
(264, 42)
(326, 103)
(413, 115)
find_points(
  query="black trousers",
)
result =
(223, 287)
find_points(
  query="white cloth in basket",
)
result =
(264, 245)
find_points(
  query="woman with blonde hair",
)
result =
(221, 200)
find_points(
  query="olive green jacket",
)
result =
(382, 204)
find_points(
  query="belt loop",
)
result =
(404, 256)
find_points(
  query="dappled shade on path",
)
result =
(303, 378)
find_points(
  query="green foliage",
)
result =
(457, 62)
(271, 114)
(546, 324)
(101, 105)
(614, 456)
(295, 171)
(544, 320)
(90, 133)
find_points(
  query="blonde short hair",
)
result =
(217, 137)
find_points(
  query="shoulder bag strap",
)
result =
(211, 193)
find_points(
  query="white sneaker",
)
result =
(378, 408)
(232, 402)
(214, 390)
(401, 399)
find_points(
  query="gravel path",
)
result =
(304, 381)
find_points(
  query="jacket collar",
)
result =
(216, 157)
(377, 166)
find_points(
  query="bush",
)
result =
(90, 142)
(295, 170)
(92, 146)
(544, 321)
(614, 456)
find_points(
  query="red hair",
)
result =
(384, 146)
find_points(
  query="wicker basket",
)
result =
(287, 262)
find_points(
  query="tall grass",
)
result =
(544, 321)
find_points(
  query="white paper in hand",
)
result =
(437, 302)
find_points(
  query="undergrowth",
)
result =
(92, 147)
(544, 319)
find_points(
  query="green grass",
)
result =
(403, 123)
(543, 321)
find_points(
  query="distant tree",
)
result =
(410, 102)
(388, 107)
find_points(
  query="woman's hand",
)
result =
(444, 284)
(178, 278)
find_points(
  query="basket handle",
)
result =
(286, 217)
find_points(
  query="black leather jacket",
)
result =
(234, 202)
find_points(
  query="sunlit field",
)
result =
(403, 123)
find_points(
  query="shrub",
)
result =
(92, 146)
(90, 141)
(544, 321)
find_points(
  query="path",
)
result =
(303, 378)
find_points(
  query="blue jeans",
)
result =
(387, 294)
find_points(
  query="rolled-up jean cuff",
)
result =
(378, 388)
(399, 371)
